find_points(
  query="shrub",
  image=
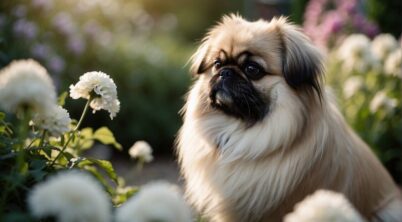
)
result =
(367, 79)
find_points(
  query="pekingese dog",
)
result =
(260, 133)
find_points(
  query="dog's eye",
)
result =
(217, 64)
(253, 70)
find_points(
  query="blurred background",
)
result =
(144, 46)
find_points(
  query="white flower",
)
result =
(382, 100)
(393, 63)
(55, 120)
(355, 54)
(102, 86)
(324, 206)
(70, 196)
(383, 45)
(159, 201)
(25, 83)
(141, 150)
(352, 85)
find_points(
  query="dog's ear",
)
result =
(199, 59)
(302, 64)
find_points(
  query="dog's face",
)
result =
(241, 62)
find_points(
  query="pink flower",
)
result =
(325, 21)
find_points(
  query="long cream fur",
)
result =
(237, 173)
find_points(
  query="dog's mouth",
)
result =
(237, 98)
(221, 95)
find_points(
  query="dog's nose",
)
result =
(226, 72)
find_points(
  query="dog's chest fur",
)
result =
(265, 189)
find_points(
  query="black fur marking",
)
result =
(246, 103)
(203, 67)
(301, 68)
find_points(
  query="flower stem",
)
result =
(23, 132)
(42, 139)
(140, 164)
(83, 113)
(71, 134)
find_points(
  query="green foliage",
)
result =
(387, 13)
(373, 109)
(297, 8)
(143, 52)
(62, 98)
(192, 14)
(29, 158)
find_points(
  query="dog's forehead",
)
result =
(234, 39)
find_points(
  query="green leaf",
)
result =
(107, 167)
(86, 136)
(47, 150)
(82, 161)
(38, 175)
(105, 136)
(100, 178)
(68, 155)
(62, 98)
(86, 133)
(123, 194)
(103, 164)
(2, 129)
(2, 115)
(86, 144)
(38, 164)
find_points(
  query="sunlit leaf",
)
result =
(107, 167)
(123, 194)
(2, 129)
(103, 164)
(86, 144)
(68, 155)
(100, 178)
(86, 136)
(82, 161)
(62, 98)
(105, 136)
(86, 133)
(74, 161)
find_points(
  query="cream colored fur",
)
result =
(237, 173)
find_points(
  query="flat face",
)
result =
(241, 64)
(239, 40)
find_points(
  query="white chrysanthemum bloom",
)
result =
(383, 45)
(100, 85)
(70, 196)
(355, 54)
(352, 85)
(393, 64)
(158, 201)
(25, 83)
(324, 206)
(381, 100)
(55, 120)
(142, 150)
